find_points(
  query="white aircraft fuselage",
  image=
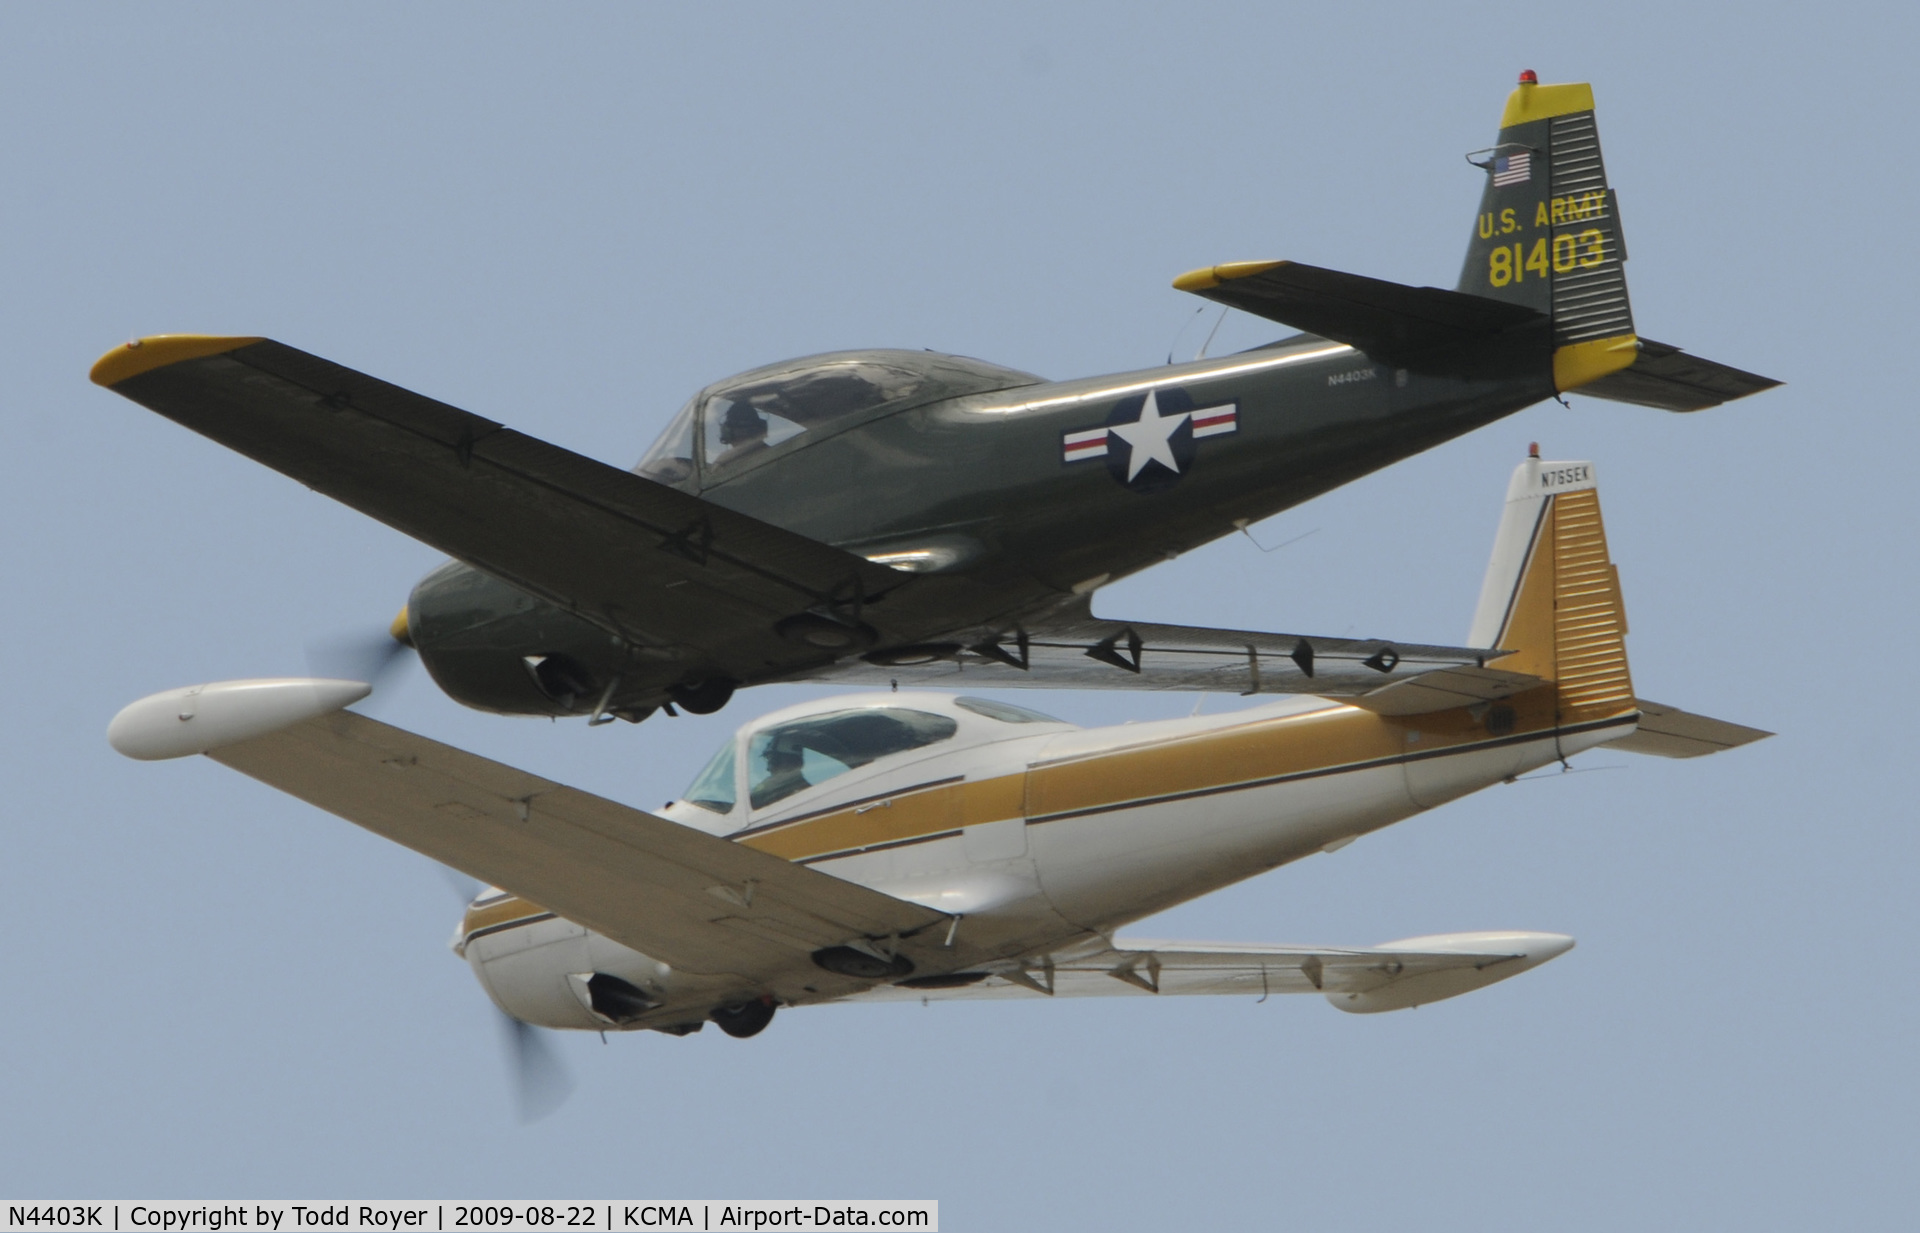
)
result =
(1043, 838)
(934, 845)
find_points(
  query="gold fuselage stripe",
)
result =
(498, 914)
(875, 800)
(513, 912)
(1252, 755)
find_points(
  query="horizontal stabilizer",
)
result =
(1422, 328)
(1443, 689)
(1664, 376)
(1669, 732)
(1361, 980)
(1081, 651)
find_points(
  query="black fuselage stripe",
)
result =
(505, 925)
(1546, 734)
(764, 827)
(877, 847)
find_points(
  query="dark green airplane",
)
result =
(875, 516)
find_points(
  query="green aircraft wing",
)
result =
(648, 563)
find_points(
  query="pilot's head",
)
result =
(742, 424)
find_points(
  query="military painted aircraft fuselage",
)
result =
(890, 516)
(996, 487)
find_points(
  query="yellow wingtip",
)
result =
(146, 354)
(1530, 102)
(1213, 275)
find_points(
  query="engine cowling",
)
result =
(496, 648)
(548, 971)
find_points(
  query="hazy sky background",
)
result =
(569, 218)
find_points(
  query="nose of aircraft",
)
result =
(400, 630)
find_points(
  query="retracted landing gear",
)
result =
(703, 697)
(746, 1019)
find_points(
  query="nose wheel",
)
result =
(746, 1019)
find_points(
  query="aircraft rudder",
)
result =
(1547, 234)
(1552, 593)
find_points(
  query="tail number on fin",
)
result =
(1553, 478)
(1505, 264)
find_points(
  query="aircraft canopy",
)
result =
(736, 419)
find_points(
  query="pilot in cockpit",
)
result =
(743, 431)
(786, 774)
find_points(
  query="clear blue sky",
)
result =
(570, 217)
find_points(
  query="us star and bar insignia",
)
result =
(1148, 440)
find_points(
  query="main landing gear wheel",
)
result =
(704, 698)
(746, 1019)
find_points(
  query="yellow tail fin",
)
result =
(1552, 594)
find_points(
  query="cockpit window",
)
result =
(792, 757)
(714, 788)
(1005, 712)
(671, 458)
(744, 415)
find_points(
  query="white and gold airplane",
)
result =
(929, 845)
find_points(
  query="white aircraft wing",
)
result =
(698, 902)
(1359, 979)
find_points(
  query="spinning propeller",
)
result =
(540, 1080)
(368, 657)
(541, 1083)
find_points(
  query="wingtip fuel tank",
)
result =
(198, 718)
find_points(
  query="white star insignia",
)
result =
(1150, 438)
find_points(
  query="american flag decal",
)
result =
(1515, 168)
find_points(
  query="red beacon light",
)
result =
(1533, 449)
(1529, 78)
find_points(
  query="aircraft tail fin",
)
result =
(1547, 235)
(1552, 593)
(1552, 598)
(1544, 284)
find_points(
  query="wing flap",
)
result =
(1355, 978)
(1080, 651)
(698, 902)
(1669, 732)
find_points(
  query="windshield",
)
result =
(792, 757)
(713, 789)
(671, 458)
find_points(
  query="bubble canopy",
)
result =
(733, 421)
